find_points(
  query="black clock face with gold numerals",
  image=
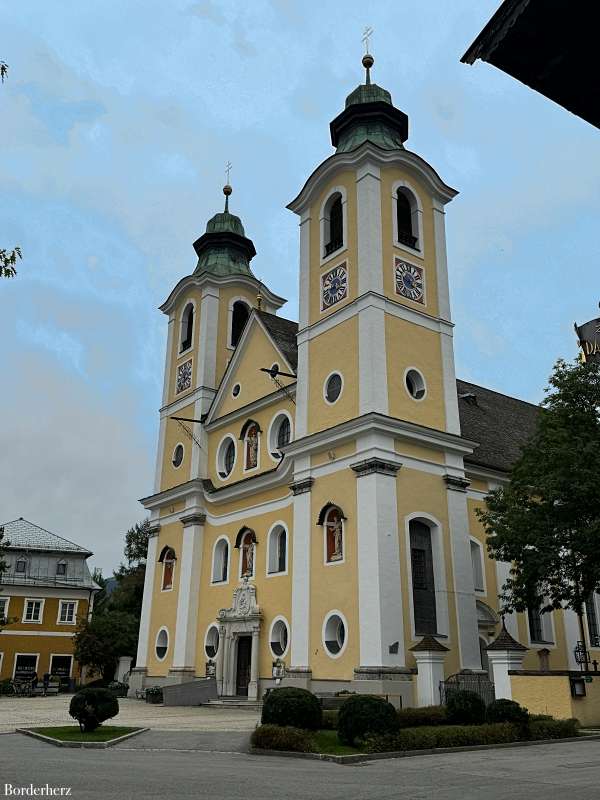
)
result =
(334, 286)
(184, 376)
(409, 281)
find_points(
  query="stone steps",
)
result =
(235, 702)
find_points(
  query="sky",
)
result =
(118, 118)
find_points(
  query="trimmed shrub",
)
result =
(92, 707)
(363, 714)
(554, 728)
(428, 715)
(427, 738)
(276, 737)
(507, 711)
(118, 689)
(292, 707)
(465, 708)
(330, 720)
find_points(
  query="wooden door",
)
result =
(244, 656)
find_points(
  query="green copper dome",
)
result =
(224, 250)
(369, 116)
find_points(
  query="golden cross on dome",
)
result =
(367, 33)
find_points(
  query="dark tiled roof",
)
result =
(429, 644)
(501, 424)
(504, 641)
(25, 535)
(284, 333)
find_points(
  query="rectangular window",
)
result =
(21, 566)
(33, 611)
(3, 608)
(61, 666)
(540, 626)
(61, 568)
(592, 621)
(423, 583)
(25, 666)
(477, 563)
(67, 612)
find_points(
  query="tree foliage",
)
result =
(8, 258)
(3, 568)
(546, 521)
(101, 641)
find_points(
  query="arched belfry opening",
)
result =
(239, 318)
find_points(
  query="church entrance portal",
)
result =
(244, 655)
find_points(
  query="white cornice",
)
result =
(207, 280)
(369, 152)
(249, 409)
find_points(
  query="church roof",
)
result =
(284, 332)
(501, 424)
(504, 641)
(24, 535)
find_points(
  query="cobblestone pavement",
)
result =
(25, 712)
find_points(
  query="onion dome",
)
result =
(224, 249)
(369, 115)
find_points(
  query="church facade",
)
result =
(313, 514)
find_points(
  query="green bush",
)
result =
(363, 714)
(6, 686)
(507, 711)
(465, 708)
(428, 715)
(554, 728)
(276, 737)
(330, 720)
(427, 738)
(289, 706)
(118, 689)
(92, 707)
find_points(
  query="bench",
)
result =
(53, 687)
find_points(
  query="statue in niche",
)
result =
(252, 447)
(335, 543)
(248, 555)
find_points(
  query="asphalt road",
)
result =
(545, 772)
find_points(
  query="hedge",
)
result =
(428, 737)
(427, 715)
(276, 737)
(330, 720)
(465, 708)
(289, 706)
(504, 710)
(364, 714)
(553, 728)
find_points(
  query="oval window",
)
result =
(334, 635)
(415, 384)
(279, 638)
(236, 390)
(211, 644)
(333, 387)
(178, 456)
(162, 644)
(226, 457)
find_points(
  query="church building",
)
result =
(313, 513)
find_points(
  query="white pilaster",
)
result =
(369, 229)
(372, 362)
(142, 652)
(162, 429)
(430, 673)
(301, 568)
(301, 427)
(254, 655)
(207, 345)
(462, 568)
(379, 587)
(304, 287)
(441, 261)
(184, 652)
(572, 636)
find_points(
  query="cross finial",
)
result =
(228, 166)
(367, 60)
(227, 188)
(367, 33)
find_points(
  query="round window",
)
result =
(415, 384)
(333, 387)
(178, 455)
(211, 643)
(162, 644)
(279, 638)
(236, 390)
(226, 457)
(334, 634)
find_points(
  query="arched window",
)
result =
(239, 318)
(406, 227)
(187, 327)
(251, 444)
(333, 227)
(246, 542)
(220, 565)
(280, 434)
(423, 585)
(167, 558)
(332, 520)
(277, 550)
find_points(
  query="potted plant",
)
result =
(154, 694)
(118, 688)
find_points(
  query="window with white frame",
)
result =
(211, 641)
(277, 550)
(477, 564)
(407, 214)
(333, 224)
(33, 610)
(187, 328)
(334, 634)
(226, 457)
(280, 434)
(67, 611)
(4, 608)
(279, 637)
(540, 626)
(220, 565)
(168, 559)
(162, 644)
(591, 612)
(423, 581)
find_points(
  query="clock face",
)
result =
(184, 376)
(334, 286)
(409, 281)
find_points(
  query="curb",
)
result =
(86, 745)
(361, 758)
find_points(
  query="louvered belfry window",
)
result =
(422, 578)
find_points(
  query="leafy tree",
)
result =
(546, 521)
(8, 258)
(100, 597)
(129, 592)
(136, 542)
(99, 643)
(3, 568)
